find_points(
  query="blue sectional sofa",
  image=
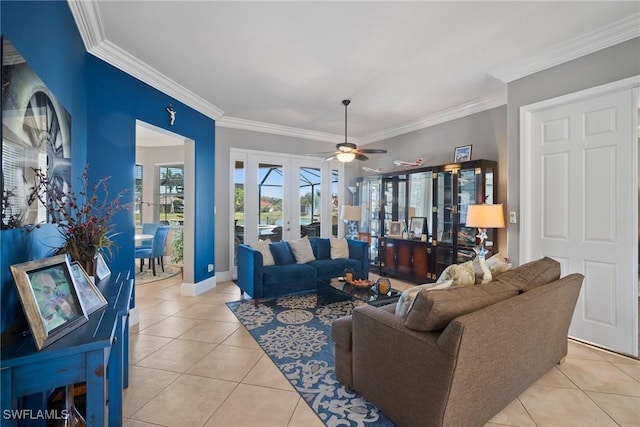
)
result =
(274, 280)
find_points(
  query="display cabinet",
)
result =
(455, 187)
(408, 259)
(369, 197)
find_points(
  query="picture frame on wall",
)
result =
(462, 154)
(90, 296)
(395, 229)
(49, 298)
(102, 269)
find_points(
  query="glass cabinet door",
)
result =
(467, 193)
(446, 207)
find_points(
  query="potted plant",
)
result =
(83, 219)
(177, 247)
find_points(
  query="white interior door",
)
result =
(579, 205)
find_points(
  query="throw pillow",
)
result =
(302, 250)
(433, 311)
(262, 246)
(461, 274)
(339, 248)
(532, 274)
(282, 253)
(407, 297)
(497, 264)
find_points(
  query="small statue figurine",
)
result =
(172, 114)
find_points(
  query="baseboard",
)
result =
(134, 316)
(224, 276)
(195, 289)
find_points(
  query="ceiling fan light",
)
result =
(345, 157)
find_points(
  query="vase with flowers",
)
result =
(83, 219)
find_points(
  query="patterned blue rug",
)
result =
(295, 333)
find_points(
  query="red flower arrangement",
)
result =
(83, 219)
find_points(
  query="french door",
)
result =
(282, 197)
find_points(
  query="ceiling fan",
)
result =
(348, 151)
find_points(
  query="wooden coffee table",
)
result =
(335, 290)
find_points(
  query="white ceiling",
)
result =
(284, 67)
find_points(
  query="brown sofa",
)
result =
(460, 355)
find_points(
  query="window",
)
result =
(171, 194)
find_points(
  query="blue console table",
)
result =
(96, 352)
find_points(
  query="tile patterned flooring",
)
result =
(194, 364)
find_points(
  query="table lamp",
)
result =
(351, 215)
(483, 217)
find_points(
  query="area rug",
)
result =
(146, 276)
(295, 332)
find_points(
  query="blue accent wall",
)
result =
(104, 104)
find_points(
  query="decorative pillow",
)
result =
(407, 297)
(339, 248)
(282, 253)
(434, 310)
(461, 274)
(497, 264)
(302, 250)
(262, 246)
(532, 274)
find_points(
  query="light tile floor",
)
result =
(194, 364)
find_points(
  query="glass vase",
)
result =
(71, 416)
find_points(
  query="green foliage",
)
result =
(177, 245)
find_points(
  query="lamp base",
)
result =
(352, 230)
(482, 252)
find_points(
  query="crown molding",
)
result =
(251, 125)
(593, 41)
(456, 112)
(87, 17)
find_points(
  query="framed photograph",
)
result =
(49, 298)
(90, 296)
(462, 154)
(418, 226)
(102, 269)
(395, 229)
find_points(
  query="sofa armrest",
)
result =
(359, 250)
(393, 365)
(250, 271)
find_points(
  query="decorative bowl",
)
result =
(362, 283)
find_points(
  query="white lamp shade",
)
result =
(346, 157)
(350, 213)
(485, 216)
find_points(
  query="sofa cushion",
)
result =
(339, 248)
(328, 268)
(279, 274)
(532, 274)
(302, 251)
(282, 253)
(321, 248)
(433, 310)
(461, 274)
(408, 296)
(262, 246)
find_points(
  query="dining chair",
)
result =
(148, 228)
(156, 250)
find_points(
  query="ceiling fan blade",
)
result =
(326, 153)
(361, 157)
(331, 157)
(371, 150)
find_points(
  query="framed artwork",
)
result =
(102, 269)
(36, 128)
(462, 154)
(395, 229)
(418, 225)
(49, 298)
(90, 296)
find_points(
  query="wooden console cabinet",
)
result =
(406, 259)
(96, 352)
